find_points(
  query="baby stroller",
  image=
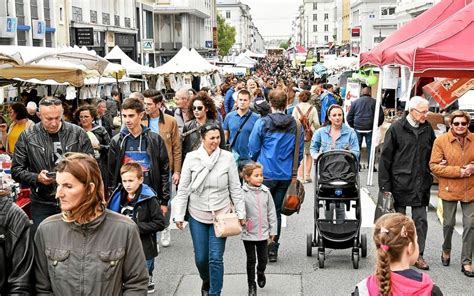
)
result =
(337, 182)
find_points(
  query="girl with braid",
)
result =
(397, 249)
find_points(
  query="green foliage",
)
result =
(284, 45)
(225, 36)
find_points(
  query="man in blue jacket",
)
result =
(361, 118)
(272, 143)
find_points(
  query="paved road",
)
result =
(297, 274)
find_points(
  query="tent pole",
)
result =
(375, 132)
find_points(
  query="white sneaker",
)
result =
(151, 285)
(166, 237)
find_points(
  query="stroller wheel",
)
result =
(355, 258)
(321, 257)
(309, 244)
(363, 245)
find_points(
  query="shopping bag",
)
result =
(384, 205)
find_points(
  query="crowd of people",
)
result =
(106, 180)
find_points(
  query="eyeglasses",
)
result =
(50, 102)
(422, 112)
(198, 108)
(457, 123)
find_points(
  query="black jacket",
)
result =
(404, 163)
(33, 153)
(159, 167)
(192, 141)
(146, 214)
(17, 266)
(361, 114)
(104, 139)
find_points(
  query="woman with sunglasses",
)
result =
(334, 134)
(203, 111)
(452, 162)
(87, 249)
(209, 184)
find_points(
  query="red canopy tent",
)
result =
(420, 24)
(445, 50)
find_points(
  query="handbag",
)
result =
(384, 205)
(227, 224)
(294, 196)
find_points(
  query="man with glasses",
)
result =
(404, 167)
(38, 151)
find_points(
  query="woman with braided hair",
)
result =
(397, 249)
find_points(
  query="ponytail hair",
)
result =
(392, 234)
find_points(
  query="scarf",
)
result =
(206, 165)
(459, 137)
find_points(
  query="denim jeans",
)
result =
(41, 211)
(208, 254)
(278, 190)
(368, 141)
(150, 266)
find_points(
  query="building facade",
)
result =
(409, 9)
(371, 21)
(320, 22)
(237, 14)
(28, 23)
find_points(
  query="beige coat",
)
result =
(451, 186)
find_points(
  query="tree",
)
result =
(284, 45)
(225, 36)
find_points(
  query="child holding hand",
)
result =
(261, 226)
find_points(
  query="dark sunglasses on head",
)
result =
(460, 123)
(199, 108)
(50, 102)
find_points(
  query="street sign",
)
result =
(148, 45)
(8, 26)
(208, 43)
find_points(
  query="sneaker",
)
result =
(166, 237)
(421, 264)
(151, 285)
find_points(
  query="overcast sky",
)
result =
(273, 17)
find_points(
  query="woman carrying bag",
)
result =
(209, 188)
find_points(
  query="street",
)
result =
(297, 274)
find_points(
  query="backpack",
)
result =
(308, 132)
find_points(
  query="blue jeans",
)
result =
(278, 190)
(208, 254)
(150, 266)
(368, 141)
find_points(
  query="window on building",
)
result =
(49, 39)
(47, 13)
(77, 14)
(326, 16)
(315, 28)
(34, 9)
(326, 38)
(149, 25)
(227, 14)
(105, 18)
(127, 22)
(315, 17)
(378, 39)
(20, 12)
(21, 37)
(61, 15)
(94, 16)
(387, 11)
(117, 20)
(326, 28)
(315, 5)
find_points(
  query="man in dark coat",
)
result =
(404, 167)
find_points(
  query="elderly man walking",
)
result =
(404, 167)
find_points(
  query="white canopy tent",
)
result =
(132, 67)
(185, 62)
(244, 61)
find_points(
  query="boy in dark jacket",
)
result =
(138, 201)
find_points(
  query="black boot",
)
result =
(261, 279)
(252, 289)
(273, 252)
(205, 288)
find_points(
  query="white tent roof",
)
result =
(252, 54)
(244, 61)
(132, 67)
(185, 62)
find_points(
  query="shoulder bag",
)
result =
(227, 224)
(295, 193)
(229, 146)
(384, 205)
